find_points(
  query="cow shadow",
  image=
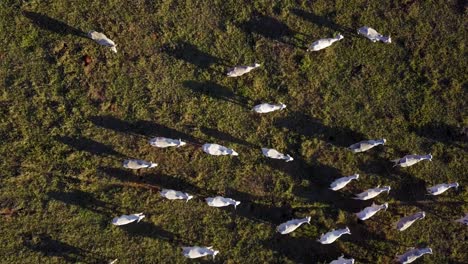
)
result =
(439, 209)
(440, 132)
(88, 145)
(409, 188)
(270, 211)
(223, 136)
(366, 239)
(189, 53)
(311, 127)
(216, 91)
(150, 230)
(319, 177)
(377, 164)
(156, 180)
(49, 247)
(53, 25)
(272, 28)
(300, 249)
(323, 21)
(143, 128)
(82, 199)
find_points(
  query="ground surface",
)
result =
(66, 128)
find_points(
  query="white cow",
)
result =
(241, 70)
(407, 221)
(291, 225)
(102, 39)
(217, 150)
(342, 260)
(220, 201)
(340, 183)
(371, 193)
(410, 160)
(175, 195)
(267, 108)
(463, 220)
(369, 211)
(162, 142)
(135, 164)
(127, 219)
(441, 188)
(373, 35)
(333, 235)
(274, 154)
(412, 254)
(366, 145)
(198, 252)
(324, 43)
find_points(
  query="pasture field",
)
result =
(66, 126)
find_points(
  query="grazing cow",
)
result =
(175, 195)
(342, 260)
(220, 201)
(162, 142)
(274, 154)
(340, 183)
(463, 220)
(333, 235)
(366, 145)
(135, 164)
(198, 252)
(291, 225)
(324, 43)
(102, 39)
(410, 160)
(127, 219)
(218, 150)
(373, 35)
(241, 70)
(412, 254)
(369, 211)
(441, 188)
(267, 108)
(407, 221)
(371, 193)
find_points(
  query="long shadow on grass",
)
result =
(377, 164)
(318, 190)
(147, 229)
(142, 127)
(50, 247)
(305, 125)
(188, 52)
(301, 249)
(367, 239)
(88, 145)
(271, 28)
(319, 177)
(439, 209)
(84, 200)
(323, 21)
(154, 179)
(408, 188)
(223, 136)
(216, 91)
(275, 213)
(53, 24)
(440, 132)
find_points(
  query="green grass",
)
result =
(66, 128)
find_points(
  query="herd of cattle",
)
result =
(289, 226)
